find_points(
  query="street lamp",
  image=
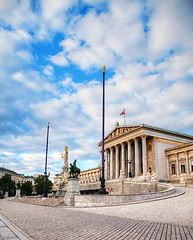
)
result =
(130, 162)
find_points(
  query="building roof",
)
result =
(8, 171)
(90, 170)
(180, 147)
(136, 127)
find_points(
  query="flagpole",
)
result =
(45, 173)
(123, 113)
(103, 189)
(103, 123)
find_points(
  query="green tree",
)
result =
(39, 185)
(6, 184)
(27, 189)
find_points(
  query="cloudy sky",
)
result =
(51, 59)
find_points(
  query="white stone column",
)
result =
(123, 158)
(101, 163)
(106, 164)
(177, 165)
(187, 163)
(155, 150)
(129, 155)
(111, 163)
(167, 167)
(144, 154)
(117, 161)
(136, 157)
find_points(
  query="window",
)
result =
(173, 169)
(183, 168)
(192, 166)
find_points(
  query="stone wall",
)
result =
(126, 186)
(109, 200)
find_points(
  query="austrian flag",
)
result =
(123, 112)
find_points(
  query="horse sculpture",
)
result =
(74, 170)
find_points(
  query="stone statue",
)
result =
(148, 176)
(153, 176)
(182, 178)
(66, 149)
(74, 170)
(60, 180)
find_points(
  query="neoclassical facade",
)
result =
(140, 149)
(90, 176)
(180, 160)
(133, 152)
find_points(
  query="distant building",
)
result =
(14, 176)
(18, 177)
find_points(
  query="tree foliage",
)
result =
(39, 185)
(6, 184)
(27, 189)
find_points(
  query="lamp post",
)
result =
(130, 174)
(45, 173)
(103, 189)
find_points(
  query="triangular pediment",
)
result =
(120, 130)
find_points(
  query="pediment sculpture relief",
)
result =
(118, 132)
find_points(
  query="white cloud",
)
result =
(48, 70)
(14, 13)
(170, 25)
(70, 44)
(177, 67)
(12, 54)
(87, 57)
(59, 59)
(54, 12)
(33, 81)
(104, 39)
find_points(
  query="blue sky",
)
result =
(51, 58)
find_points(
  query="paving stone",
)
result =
(151, 221)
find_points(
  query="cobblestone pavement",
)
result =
(138, 221)
(177, 210)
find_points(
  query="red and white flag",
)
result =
(123, 112)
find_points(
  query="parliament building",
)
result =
(134, 151)
(136, 154)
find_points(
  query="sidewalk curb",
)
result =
(13, 230)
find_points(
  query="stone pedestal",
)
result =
(61, 193)
(18, 193)
(183, 180)
(6, 195)
(72, 190)
(122, 175)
